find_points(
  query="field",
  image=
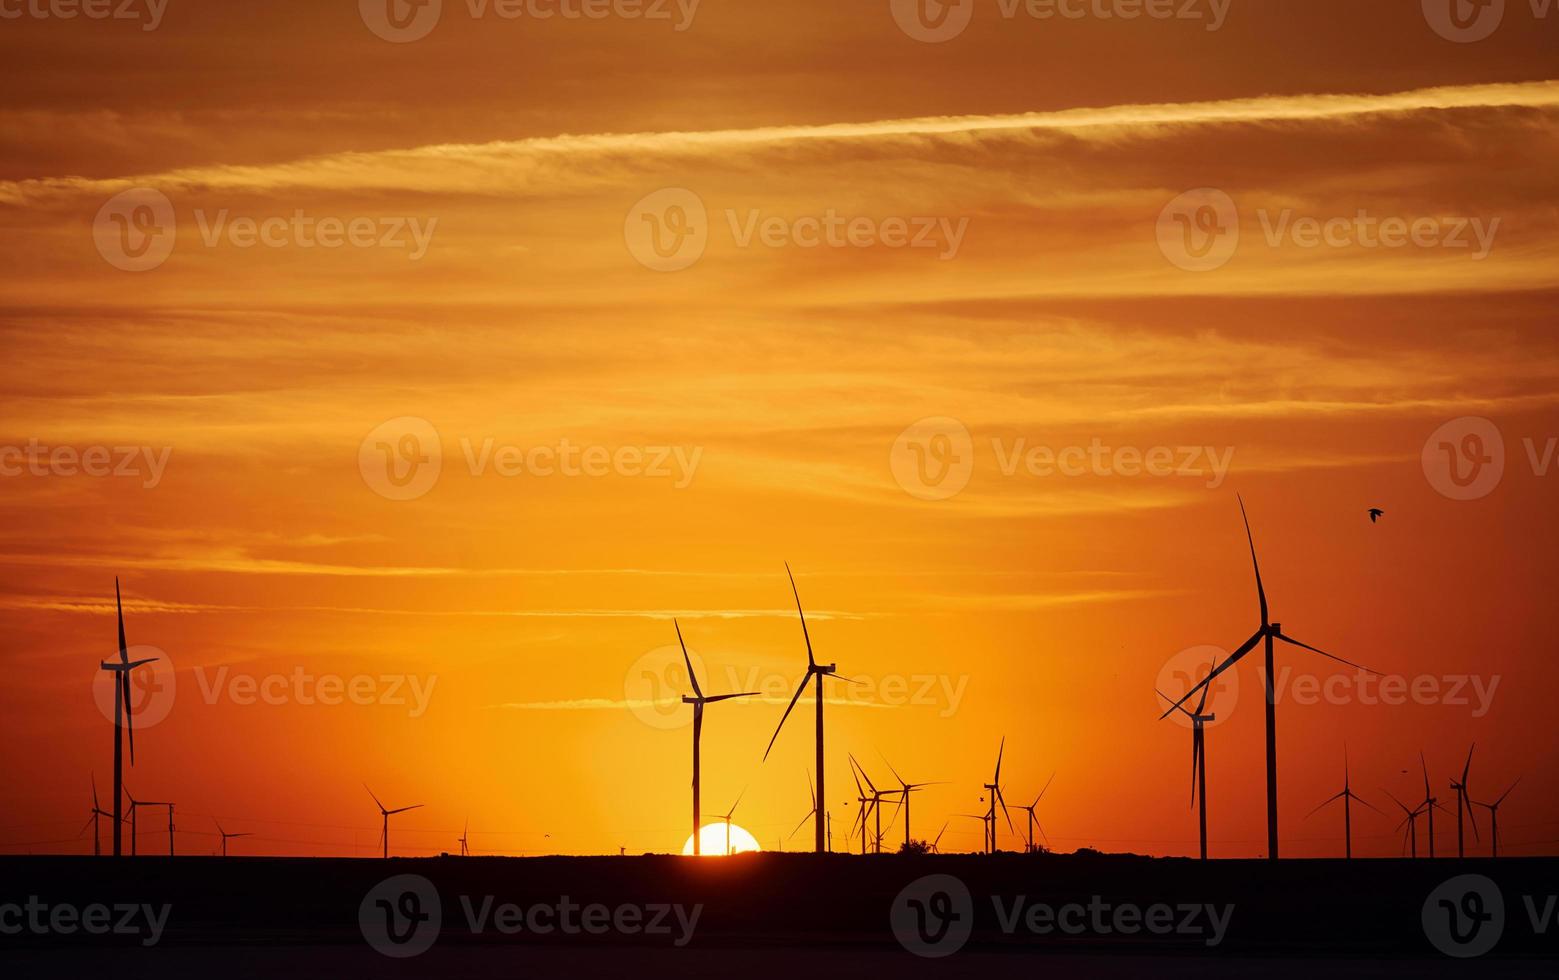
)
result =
(772, 915)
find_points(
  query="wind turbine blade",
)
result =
(804, 634)
(893, 770)
(738, 803)
(1234, 658)
(1328, 803)
(1002, 800)
(999, 751)
(1507, 792)
(812, 791)
(1171, 702)
(1261, 591)
(1202, 704)
(1355, 796)
(124, 655)
(803, 823)
(940, 833)
(1397, 801)
(95, 805)
(1467, 769)
(687, 660)
(375, 798)
(129, 715)
(727, 697)
(1472, 817)
(1196, 760)
(405, 808)
(1349, 663)
(862, 769)
(1424, 763)
(788, 709)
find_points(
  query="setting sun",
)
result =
(722, 839)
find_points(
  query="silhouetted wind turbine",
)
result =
(1430, 803)
(123, 715)
(1347, 796)
(1493, 809)
(994, 788)
(1268, 632)
(384, 834)
(812, 790)
(1198, 755)
(1463, 802)
(936, 845)
(877, 795)
(817, 671)
(697, 700)
(866, 803)
(727, 819)
(1410, 821)
(227, 836)
(97, 811)
(905, 790)
(1033, 818)
(465, 850)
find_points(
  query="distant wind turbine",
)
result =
(815, 672)
(697, 700)
(726, 818)
(227, 836)
(1410, 822)
(384, 834)
(994, 788)
(1033, 817)
(1493, 809)
(865, 802)
(1430, 804)
(1199, 721)
(905, 790)
(1347, 796)
(1463, 802)
(812, 813)
(123, 715)
(936, 845)
(97, 811)
(1268, 632)
(465, 849)
(877, 797)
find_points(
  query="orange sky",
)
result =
(1043, 158)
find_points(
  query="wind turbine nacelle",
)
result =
(1277, 629)
(689, 699)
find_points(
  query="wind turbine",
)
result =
(866, 804)
(994, 788)
(1198, 755)
(123, 715)
(810, 813)
(726, 818)
(97, 811)
(465, 850)
(1033, 818)
(1410, 821)
(1430, 803)
(815, 672)
(384, 835)
(907, 788)
(227, 836)
(1493, 809)
(1268, 632)
(936, 845)
(1347, 796)
(697, 700)
(877, 796)
(1463, 802)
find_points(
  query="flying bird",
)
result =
(1375, 514)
